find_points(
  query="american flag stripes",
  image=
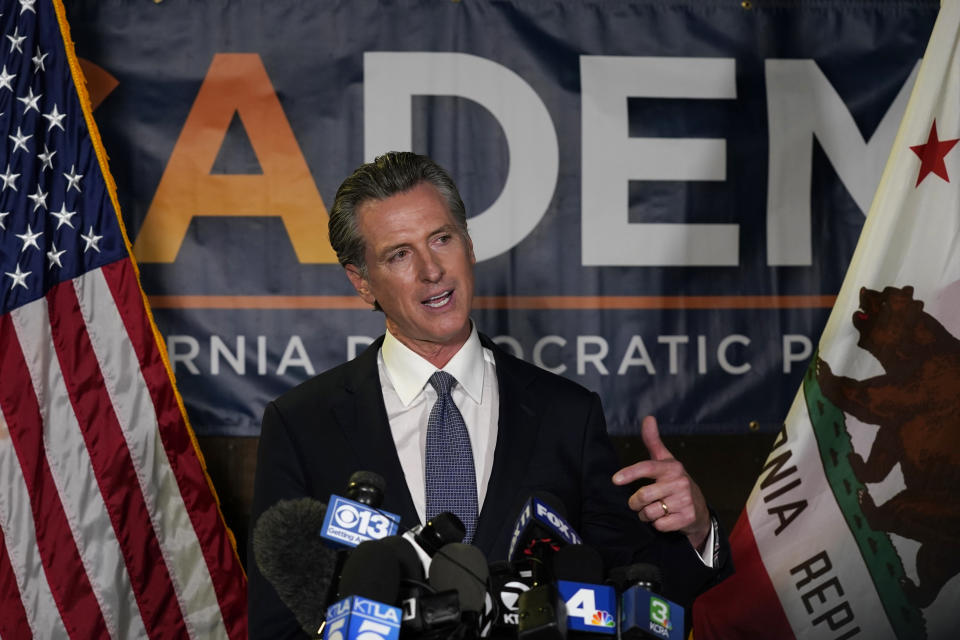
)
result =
(108, 524)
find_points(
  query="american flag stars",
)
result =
(19, 278)
(20, 140)
(6, 78)
(16, 40)
(44, 236)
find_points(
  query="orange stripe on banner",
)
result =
(506, 302)
(188, 467)
(64, 569)
(113, 465)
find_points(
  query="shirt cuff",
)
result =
(710, 547)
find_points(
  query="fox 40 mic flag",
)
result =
(109, 526)
(853, 528)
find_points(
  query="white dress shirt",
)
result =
(409, 397)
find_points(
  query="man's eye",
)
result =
(398, 255)
(444, 239)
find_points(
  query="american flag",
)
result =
(108, 524)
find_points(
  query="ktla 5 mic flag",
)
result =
(853, 528)
(108, 524)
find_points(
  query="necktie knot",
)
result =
(442, 382)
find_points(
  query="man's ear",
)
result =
(360, 284)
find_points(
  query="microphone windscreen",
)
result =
(372, 571)
(292, 556)
(410, 566)
(578, 563)
(462, 567)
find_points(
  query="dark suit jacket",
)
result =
(551, 437)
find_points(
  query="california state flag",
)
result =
(853, 528)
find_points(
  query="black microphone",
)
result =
(354, 518)
(422, 610)
(357, 517)
(366, 487)
(643, 613)
(294, 558)
(371, 571)
(368, 588)
(440, 530)
(591, 605)
(507, 583)
(541, 530)
(542, 614)
(539, 534)
(463, 568)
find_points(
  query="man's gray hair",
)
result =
(388, 175)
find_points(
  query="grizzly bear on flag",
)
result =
(916, 404)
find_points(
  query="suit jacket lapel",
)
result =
(363, 418)
(516, 436)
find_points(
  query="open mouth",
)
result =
(439, 300)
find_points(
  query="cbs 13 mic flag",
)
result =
(109, 526)
(853, 527)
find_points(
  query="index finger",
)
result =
(637, 471)
(651, 438)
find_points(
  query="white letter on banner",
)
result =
(790, 356)
(725, 364)
(538, 353)
(186, 359)
(595, 358)
(392, 78)
(611, 159)
(801, 104)
(295, 356)
(236, 360)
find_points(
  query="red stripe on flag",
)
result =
(13, 622)
(66, 575)
(222, 561)
(113, 466)
(744, 606)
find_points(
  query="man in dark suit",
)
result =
(399, 228)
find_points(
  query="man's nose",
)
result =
(431, 269)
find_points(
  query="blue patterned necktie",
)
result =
(451, 479)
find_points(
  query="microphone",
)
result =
(643, 613)
(357, 517)
(369, 583)
(591, 606)
(463, 568)
(293, 557)
(542, 614)
(422, 610)
(539, 532)
(506, 586)
(443, 529)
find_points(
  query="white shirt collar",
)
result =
(409, 372)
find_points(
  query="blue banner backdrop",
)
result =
(664, 195)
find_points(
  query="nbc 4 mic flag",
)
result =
(109, 526)
(853, 528)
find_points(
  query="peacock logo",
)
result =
(602, 619)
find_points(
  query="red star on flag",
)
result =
(932, 154)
